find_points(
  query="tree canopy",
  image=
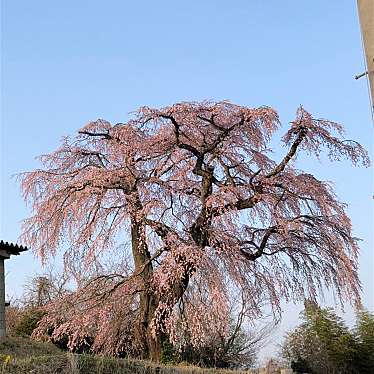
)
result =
(208, 212)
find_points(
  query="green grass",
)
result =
(30, 357)
(24, 347)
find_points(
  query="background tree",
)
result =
(24, 314)
(235, 348)
(206, 209)
(44, 288)
(364, 334)
(324, 344)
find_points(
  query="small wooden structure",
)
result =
(6, 250)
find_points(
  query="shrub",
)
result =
(28, 321)
(13, 315)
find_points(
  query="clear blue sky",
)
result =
(65, 63)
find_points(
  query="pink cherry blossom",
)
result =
(194, 188)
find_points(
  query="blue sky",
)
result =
(65, 63)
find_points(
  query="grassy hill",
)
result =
(22, 355)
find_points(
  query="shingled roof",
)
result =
(12, 249)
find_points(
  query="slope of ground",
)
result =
(24, 347)
(21, 356)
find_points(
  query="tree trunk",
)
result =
(154, 346)
(148, 302)
(199, 234)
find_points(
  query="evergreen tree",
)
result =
(323, 344)
(364, 334)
